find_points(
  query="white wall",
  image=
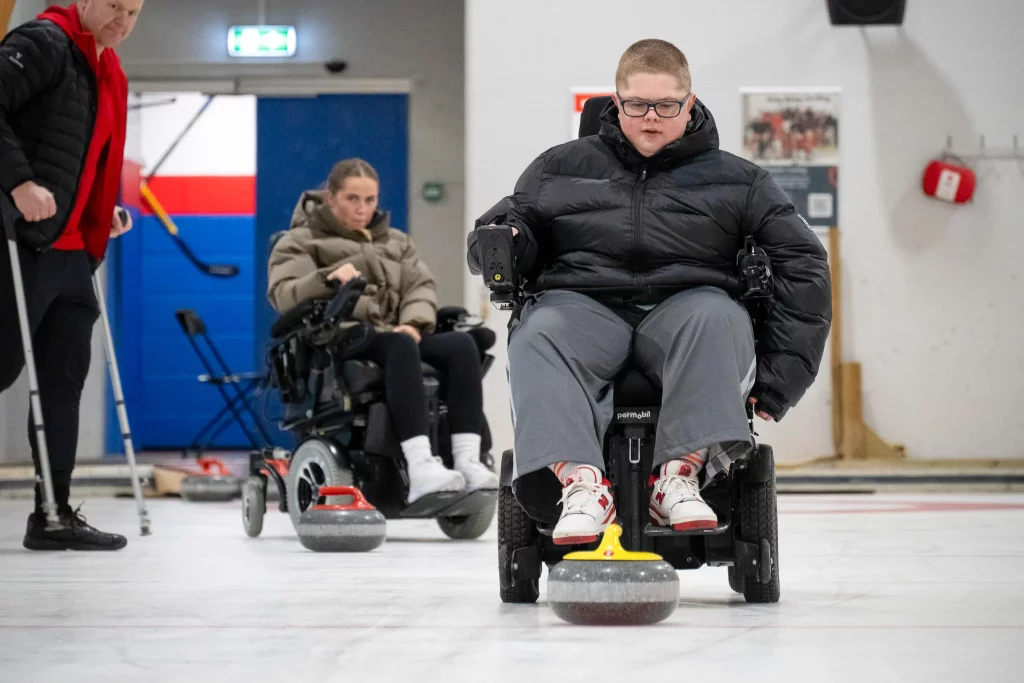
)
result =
(24, 10)
(221, 143)
(932, 294)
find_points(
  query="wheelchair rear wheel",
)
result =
(314, 465)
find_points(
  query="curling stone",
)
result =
(611, 586)
(353, 528)
(215, 485)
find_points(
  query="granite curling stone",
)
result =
(214, 485)
(611, 586)
(352, 528)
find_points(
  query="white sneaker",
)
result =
(478, 476)
(431, 476)
(676, 502)
(587, 510)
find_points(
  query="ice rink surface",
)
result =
(875, 588)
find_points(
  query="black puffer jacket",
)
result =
(596, 216)
(47, 113)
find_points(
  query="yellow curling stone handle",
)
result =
(611, 549)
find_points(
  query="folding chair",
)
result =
(243, 386)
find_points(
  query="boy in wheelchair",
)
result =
(338, 236)
(626, 244)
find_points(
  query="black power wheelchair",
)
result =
(334, 406)
(744, 498)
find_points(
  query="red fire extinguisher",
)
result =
(950, 180)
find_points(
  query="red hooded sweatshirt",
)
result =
(89, 224)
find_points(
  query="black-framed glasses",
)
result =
(666, 109)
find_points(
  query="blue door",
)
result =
(298, 140)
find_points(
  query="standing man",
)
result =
(63, 115)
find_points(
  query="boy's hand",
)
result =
(760, 413)
(515, 231)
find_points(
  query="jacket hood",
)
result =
(311, 211)
(701, 136)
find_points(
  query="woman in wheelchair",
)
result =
(338, 234)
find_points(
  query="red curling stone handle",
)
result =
(209, 464)
(359, 501)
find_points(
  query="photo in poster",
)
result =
(794, 135)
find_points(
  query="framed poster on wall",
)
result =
(794, 135)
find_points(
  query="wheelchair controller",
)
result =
(755, 271)
(497, 262)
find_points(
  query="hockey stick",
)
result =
(215, 270)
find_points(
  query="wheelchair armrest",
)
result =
(295, 318)
(498, 265)
(319, 313)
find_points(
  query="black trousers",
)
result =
(455, 355)
(62, 309)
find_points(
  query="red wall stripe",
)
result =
(205, 195)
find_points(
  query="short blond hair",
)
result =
(653, 56)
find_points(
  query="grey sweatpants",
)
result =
(566, 348)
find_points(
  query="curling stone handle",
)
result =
(207, 465)
(359, 501)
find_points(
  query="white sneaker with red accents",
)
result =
(676, 502)
(587, 510)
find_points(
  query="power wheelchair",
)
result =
(744, 498)
(334, 406)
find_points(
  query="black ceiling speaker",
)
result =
(866, 12)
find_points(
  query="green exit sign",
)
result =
(261, 41)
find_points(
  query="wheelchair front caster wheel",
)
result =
(254, 506)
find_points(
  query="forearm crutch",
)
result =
(122, 412)
(49, 501)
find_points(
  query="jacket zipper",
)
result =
(638, 224)
(94, 105)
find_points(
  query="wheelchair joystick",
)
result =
(755, 272)
(497, 259)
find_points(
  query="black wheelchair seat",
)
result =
(634, 389)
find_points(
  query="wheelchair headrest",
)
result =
(590, 119)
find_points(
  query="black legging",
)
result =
(455, 355)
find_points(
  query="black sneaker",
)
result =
(74, 534)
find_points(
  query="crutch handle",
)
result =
(10, 214)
